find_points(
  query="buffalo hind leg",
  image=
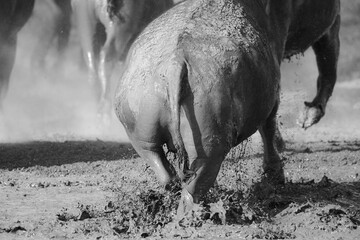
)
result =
(327, 52)
(205, 171)
(158, 162)
(273, 170)
(87, 22)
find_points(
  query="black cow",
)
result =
(205, 75)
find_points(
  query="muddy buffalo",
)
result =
(205, 75)
(13, 15)
(123, 20)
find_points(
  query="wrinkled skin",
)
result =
(211, 84)
(57, 29)
(13, 15)
(120, 27)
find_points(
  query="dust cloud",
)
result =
(57, 103)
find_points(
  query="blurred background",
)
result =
(52, 100)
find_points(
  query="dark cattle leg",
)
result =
(107, 61)
(86, 22)
(273, 171)
(327, 52)
(13, 16)
(64, 24)
(45, 41)
(7, 59)
(91, 40)
(57, 29)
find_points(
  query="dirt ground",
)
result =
(102, 190)
(61, 177)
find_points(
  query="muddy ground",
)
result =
(64, 177)
(102, 190)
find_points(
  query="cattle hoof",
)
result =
(263, 190)
(186, 204)
(309, 116)
(274, 177)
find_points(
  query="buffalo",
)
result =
(107, 28)
(205, 76)
(13, 16)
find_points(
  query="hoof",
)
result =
(274, 177)
(263, 190)
(310, 115)
(186, 205)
